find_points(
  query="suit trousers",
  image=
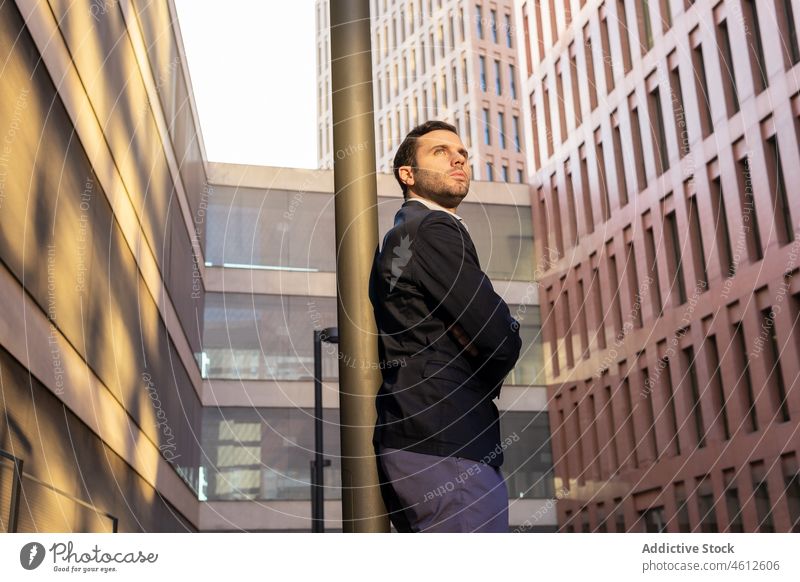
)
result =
(428, 493)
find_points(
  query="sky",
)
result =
(253, 70)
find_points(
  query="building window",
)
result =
(651, 415)
(601, 343)
(791, 53)
(606, 48)
(619, 163)
(489, 172)
(249, 337)
(498, 81)
(645, 26)
(501, 129)
(588, 213)
(454, 84)
(622, 20)
(493, 24)
(761, 495)
(562, 117)
(547, 118)
(517, 145)
(553, 23)
(632, 273)
(666, 15)
(755, 47)
(720, 218)
(602, 526)
(576, 96)
(746, 398)
(678, 111)
(613, 281)
(483, 72)
(528, 476)
(505, 173)
(732, 504)
(552, 333)
(584, 334)
(718, 392)
(237, 439)
(468, 119)
(650, 256)
(682, 509)
(672, 415)
(605, 202)
(674, 259)
(653, 520)
(587, 47)
(570, 528)
(728, 69)
(659, 131)
(520, 176)
(696, 242)
(780, 202)
(791, 482)
(487, 136)
(509, 42)
(535, 133)
(701, 86)
(620, 516)
(527, 35)
(555, 218)
(512, 82)
(479, 20)
(748, 207)
(694, 394)
(705, 506)
(775, 374)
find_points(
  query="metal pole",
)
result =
(16, 494)
(356, 241)
(317, 503)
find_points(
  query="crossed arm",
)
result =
(448, 270)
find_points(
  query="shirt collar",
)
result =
(434, 206)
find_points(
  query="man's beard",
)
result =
(434, 186)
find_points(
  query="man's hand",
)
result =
(463, 340)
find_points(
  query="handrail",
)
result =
(17, 491)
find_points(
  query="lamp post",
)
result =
(356, 205)
(329, 335)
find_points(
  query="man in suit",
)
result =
(446, 343)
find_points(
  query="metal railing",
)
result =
(17, 492)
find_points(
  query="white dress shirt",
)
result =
(434, 206)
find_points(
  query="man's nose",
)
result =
(458, 159)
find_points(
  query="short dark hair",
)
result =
(407, 152)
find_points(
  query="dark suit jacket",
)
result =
(436, 398)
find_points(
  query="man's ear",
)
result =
(406, 175)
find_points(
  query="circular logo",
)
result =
(31, 555)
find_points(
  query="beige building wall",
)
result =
(102, 196)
